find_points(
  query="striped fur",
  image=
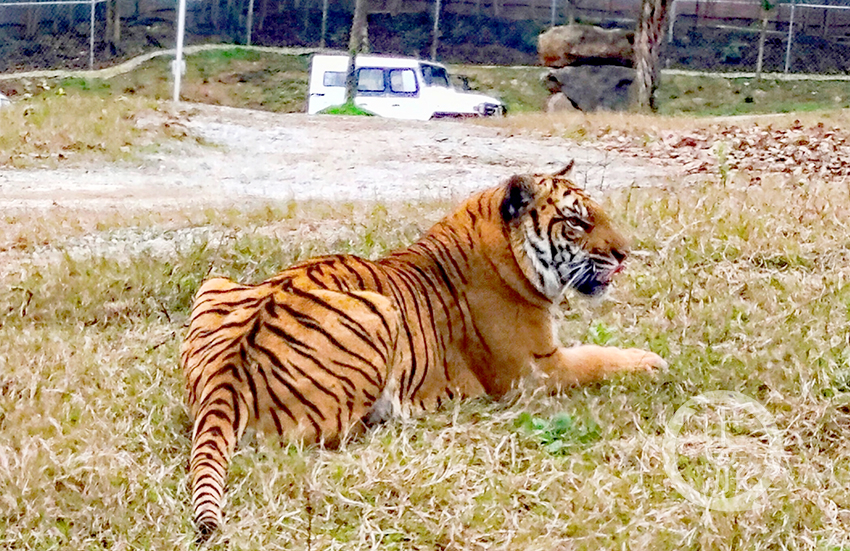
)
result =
(337, 342)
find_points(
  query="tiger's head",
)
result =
(560, 237)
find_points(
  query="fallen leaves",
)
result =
(803, 151)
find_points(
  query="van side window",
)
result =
(370, 80)
(403, 82)
(434, 76)
(333, 78)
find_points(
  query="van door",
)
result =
(392, 92)
(327, 82)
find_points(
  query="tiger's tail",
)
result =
(215, 434)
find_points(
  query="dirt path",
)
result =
(264, 155)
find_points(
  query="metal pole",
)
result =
(672, 18)
(322, 42)
(250, 21)
(91, 37)
(790, 38)
(436, 31)
(177, 67)
(552, 22)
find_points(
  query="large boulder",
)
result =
(585, 45)
(592, 87)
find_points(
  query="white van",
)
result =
(395, 87)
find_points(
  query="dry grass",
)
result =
(740, 287)
(583, 127)
(59, 126)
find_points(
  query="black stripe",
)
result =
(399, 298)
(276, 419)
(274, 397)
(379, 383)
(371, 268)
(360, 282)
(372, 308)
(311, 323)
(310, 357)
(402, 276)
(275, 361)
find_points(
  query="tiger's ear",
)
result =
(567, 169)
(518, 196)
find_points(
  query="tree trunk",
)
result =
(264, 8)
(114, 18)
(33, 17)
(647, 50)
(766, 6)
(323, 40)
(435, 38)
(358, 42)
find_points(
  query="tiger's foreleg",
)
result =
(219, 425)
(588, 363)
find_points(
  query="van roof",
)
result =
(383, 61)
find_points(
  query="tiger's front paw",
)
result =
(642, 360)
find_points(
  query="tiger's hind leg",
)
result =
(306, 365)
(322, 360)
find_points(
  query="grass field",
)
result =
(740, 288)
(274, 82)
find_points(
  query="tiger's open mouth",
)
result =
(596, 281)
(592, 287)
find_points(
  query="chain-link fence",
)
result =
(810, 36)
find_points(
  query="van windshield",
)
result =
(434, 75)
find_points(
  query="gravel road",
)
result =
(260, 155)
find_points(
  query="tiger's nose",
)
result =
(619, 256)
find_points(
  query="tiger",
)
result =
(337, 343)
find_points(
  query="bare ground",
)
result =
(256, 155)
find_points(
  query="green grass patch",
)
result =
(347, 108)
(520, 88)
(705, 96)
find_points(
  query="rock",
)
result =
(559, 103)
(592, 87)
(585, 45)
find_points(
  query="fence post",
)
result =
(177, 69)
(250, 22)
(91, 35)
(552, 19)
(790, 37)
(672, 17)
